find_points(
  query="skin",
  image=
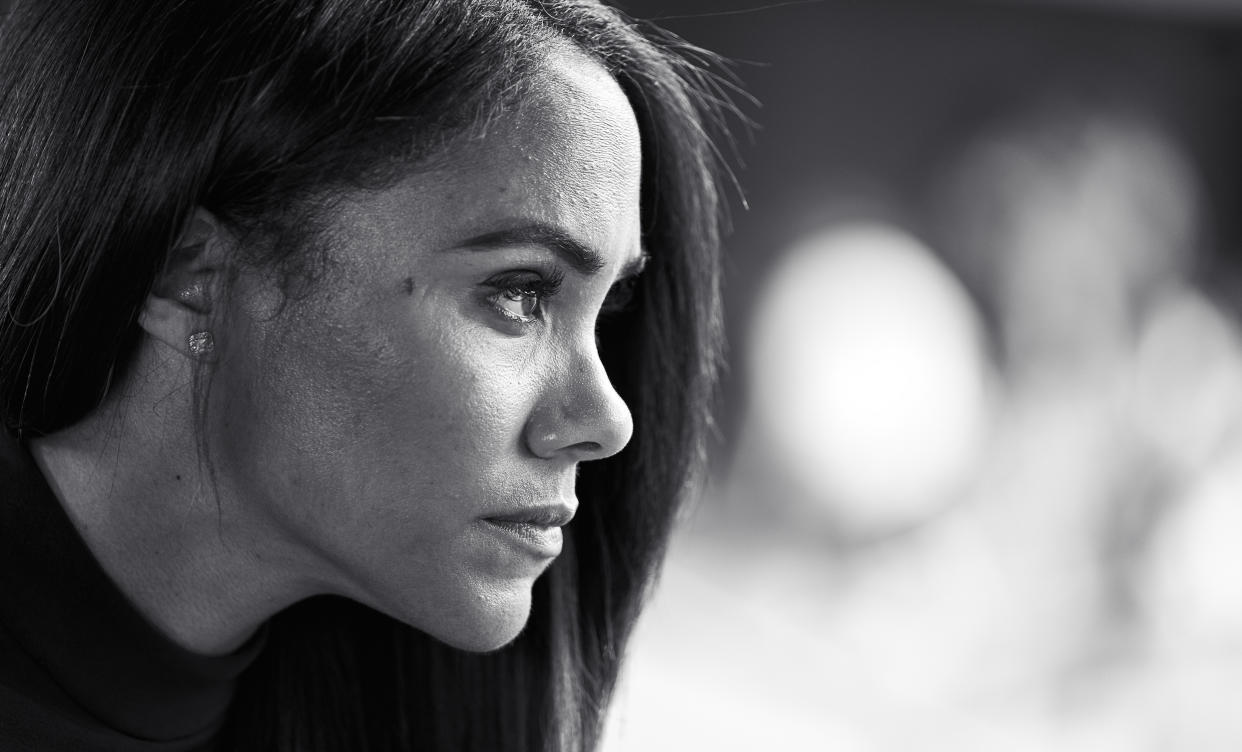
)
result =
(361, 433)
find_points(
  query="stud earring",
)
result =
(202, 344)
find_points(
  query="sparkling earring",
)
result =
(195, 294)
(202, 344)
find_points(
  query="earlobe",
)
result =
(179, 308)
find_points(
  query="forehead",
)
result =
(567, 155)
(575, 113)
(571, 143)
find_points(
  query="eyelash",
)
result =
(515, 287)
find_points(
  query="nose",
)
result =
(580, 417)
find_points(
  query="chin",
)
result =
(484, 622)
(483, 642)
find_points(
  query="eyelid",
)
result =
(547, 282)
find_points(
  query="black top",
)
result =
(80, 668)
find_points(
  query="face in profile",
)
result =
(407, 433)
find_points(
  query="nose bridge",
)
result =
(580, 414)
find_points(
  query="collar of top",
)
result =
(73, 621)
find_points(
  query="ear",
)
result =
(178, 309)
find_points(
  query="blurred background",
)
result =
(979, 480)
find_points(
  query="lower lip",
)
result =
(538, 539)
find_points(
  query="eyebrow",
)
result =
(580, 257)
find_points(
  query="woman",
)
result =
(322, 321)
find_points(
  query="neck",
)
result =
(184, 553)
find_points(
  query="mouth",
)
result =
(548, 515)
(537, 530)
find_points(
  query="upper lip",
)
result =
(544, 515)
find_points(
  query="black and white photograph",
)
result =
(620, 376)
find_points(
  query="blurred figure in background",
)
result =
(1082, 220)
(985, 494)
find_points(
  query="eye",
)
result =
(619, 302)
(520, 296)
(521, 304)
(620, 298)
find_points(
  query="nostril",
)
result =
(592, 447)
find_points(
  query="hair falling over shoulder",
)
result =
(119, 116)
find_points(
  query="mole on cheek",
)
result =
(407, 284)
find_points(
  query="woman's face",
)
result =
(407, 433)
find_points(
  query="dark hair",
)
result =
(119, 117)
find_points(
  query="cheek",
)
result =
(466, 401)
(319, 382)
(382, 396)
